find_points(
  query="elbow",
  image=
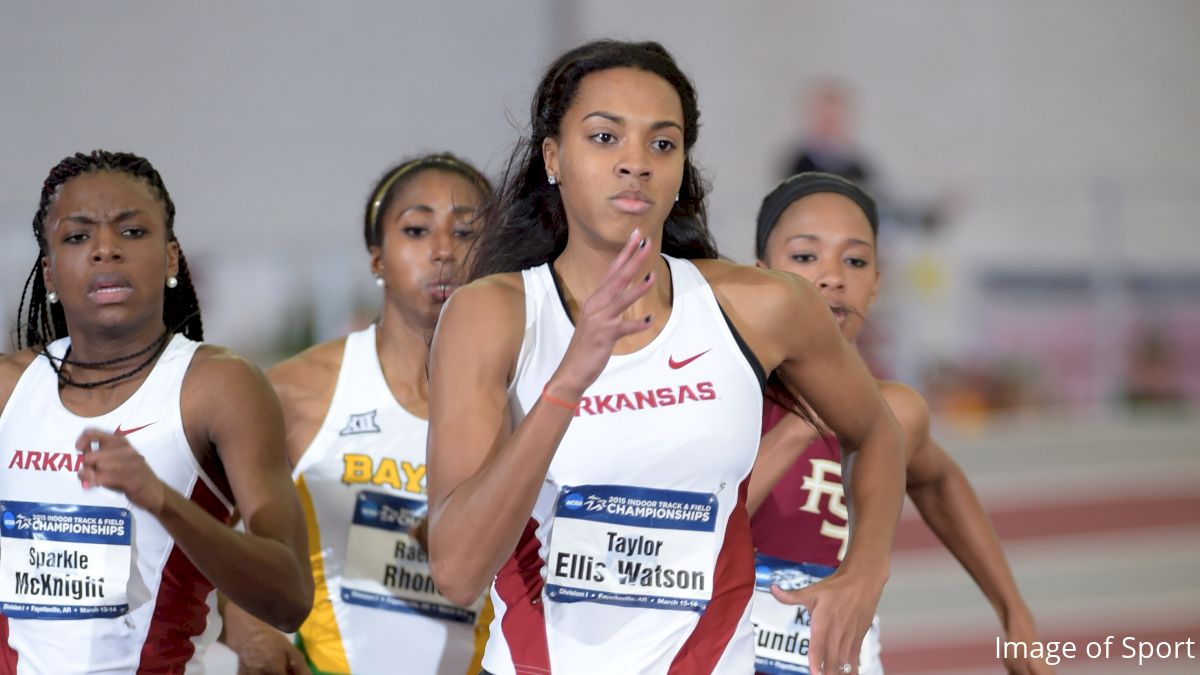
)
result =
(288, 615)
(455, 579)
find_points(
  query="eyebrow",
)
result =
(617, 119)
(84, 219)
(813, 237)
(425, 208)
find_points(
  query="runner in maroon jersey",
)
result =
(823, 228)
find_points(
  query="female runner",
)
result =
(591, 452)
(127, 444)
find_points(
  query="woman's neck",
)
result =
(92, 344)
(581, 268)
(402, 343)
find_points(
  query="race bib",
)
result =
(633, 547)
(782, 633)
(385, 566)
(64, 561)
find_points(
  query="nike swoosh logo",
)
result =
(126, 432)
(676, 365)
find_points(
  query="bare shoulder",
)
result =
(908, 406)
(11, 368)
(772, 310)
(755, 288)
(496, 301)
(220, 371)
(507, 287)
(311, 374)
(493, 306)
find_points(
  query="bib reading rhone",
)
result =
(63, 561)
(385, 566)
(633, 547)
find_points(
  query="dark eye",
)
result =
(856, 262)
(804, 257)
(134, 232)
(415, 231)
(603, 137)
(464, 233)
(75, 237)
(664, 145)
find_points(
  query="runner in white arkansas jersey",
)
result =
(124, 446)
(594, 401)
(634, 515)
(356, 413)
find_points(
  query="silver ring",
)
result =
(846, 668)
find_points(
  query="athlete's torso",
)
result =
(637, 556)
(69, 553)
(362, 487)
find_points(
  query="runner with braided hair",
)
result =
(126, 444)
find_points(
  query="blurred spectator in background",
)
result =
(1151, 373)
(828, 143)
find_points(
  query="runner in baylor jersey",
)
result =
(355, 410)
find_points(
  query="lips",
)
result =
(840, 313)
(441, 289)
(109, 288)
(633, 202)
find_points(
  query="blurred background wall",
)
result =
(1041, 256)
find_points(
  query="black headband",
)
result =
(802, 185)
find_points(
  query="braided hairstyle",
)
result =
(45, 322)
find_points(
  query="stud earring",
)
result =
(379, 281)
(676, 196)
(52, 296)
(552, 179)
(172, 282)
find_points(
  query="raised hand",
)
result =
(601, 324)
(110, 461)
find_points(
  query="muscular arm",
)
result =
(950, 507)
(483, 477)
(799, 335)
(304, 384)
(243, 422)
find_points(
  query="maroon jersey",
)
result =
(804, 519)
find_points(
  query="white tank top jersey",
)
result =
(89, 583)
(637, 557)
(362, 488)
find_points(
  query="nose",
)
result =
(633, 162)
(830, 277)
(106, 245)
(443, 243)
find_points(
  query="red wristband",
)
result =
(554, 400)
